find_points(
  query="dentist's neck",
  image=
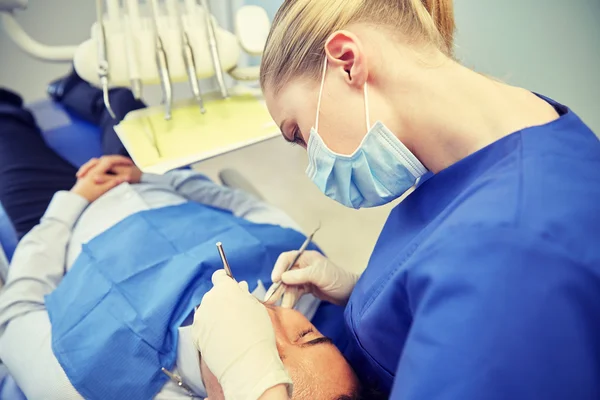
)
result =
(450, 112)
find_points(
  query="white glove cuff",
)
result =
(259, 370)
(271, 380)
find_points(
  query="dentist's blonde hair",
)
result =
(295, 46)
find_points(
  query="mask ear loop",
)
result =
(368, 117)
(366, 93)
(320, 94)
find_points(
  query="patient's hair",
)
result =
(364, 393)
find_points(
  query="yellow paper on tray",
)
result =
(157, 145)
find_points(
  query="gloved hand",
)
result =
(313, 273)
(236, 340)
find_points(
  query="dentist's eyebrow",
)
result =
(281, 128)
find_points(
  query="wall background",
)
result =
(548, 46)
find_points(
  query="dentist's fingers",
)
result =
(283, 261)
(291, 296)
(220, 276)
(276, 296)
(243, 285)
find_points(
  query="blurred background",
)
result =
(548, 46)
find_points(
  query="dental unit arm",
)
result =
(29, 45)
(131, 46)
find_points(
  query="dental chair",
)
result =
(76, 141)
(72, 138)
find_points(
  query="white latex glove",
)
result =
(235, 337)
(313, 273)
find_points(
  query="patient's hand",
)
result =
(88, 188)
(107, 168)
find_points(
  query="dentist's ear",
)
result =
(345, 54)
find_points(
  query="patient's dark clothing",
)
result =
(30, 171)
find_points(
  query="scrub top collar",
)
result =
(455, 178)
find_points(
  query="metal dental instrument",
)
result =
(103, 68)
(162, 63)
(190, 66)
(277, 285)
(131, 25)
(214, 50)
(188, 56)
(224, 260)
(177, 379)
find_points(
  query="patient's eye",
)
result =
(304, 333)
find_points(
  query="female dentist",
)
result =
(485, 281)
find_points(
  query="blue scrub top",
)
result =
(485, 282)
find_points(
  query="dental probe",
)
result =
(277, 285)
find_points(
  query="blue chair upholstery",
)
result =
(74, 139)
(8, 237)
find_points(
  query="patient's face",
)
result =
(318, 369)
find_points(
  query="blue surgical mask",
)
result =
(379, 171)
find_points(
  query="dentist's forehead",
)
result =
(297, 100)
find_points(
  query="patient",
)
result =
(312, 360)
(112, 261)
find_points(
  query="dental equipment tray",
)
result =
(158, 145)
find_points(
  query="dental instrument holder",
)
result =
(103, 65)
(131, 45)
